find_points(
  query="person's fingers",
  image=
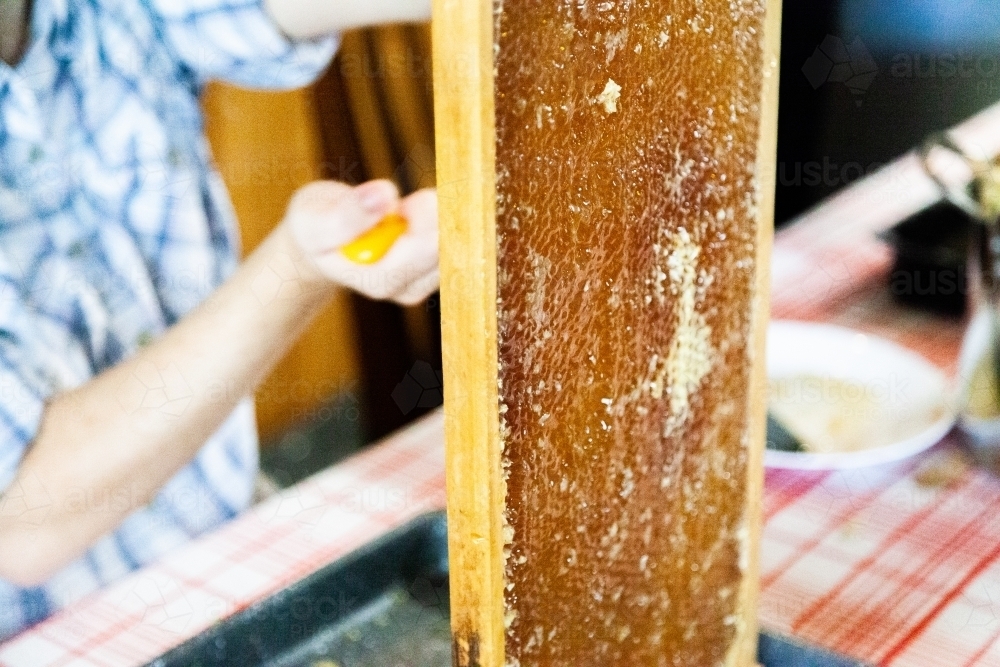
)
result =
(406, 273)
(421, 210)
(418, 290)
(326, 215)
(415, 253)
(416, 249)
(410, 253)
(409, 260)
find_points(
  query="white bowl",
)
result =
(903, 378)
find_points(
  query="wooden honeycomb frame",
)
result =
(466, 111)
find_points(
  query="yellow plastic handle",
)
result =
(372, 246)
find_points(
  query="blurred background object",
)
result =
(931, 259)
(364, 368)
(862, 82)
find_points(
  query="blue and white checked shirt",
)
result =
(113, 224)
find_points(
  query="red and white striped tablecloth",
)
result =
(269, 547)
(875, 563)
(899, 564)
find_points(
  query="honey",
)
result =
(627, 220)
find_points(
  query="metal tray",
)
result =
(385, 605)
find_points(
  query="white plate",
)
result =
(822, 350)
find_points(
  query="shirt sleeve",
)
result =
(237, 41)
(39, 357)
(22, 399)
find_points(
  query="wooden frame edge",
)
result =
(466, 171)
(767, 144)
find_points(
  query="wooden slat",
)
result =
(745, 649)
(463, 108)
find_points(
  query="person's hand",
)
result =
(326, 215)
(97, 440)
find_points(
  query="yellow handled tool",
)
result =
(372, 246)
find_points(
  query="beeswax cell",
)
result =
(627, 220)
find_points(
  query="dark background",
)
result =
(863, 81)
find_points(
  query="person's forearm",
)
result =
(125, 433)
(114, 438)
(306, 19)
